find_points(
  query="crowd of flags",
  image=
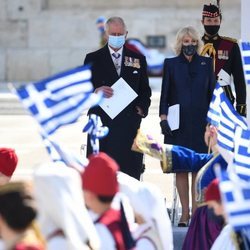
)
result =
(222, 115)
(233, 138)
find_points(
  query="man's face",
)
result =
(116, 35)
(116, 29)
(210, 21)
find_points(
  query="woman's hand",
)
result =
(210, 136)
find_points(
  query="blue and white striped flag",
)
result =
(58, 153)
(245, 53)
(235, 194)
(229, 119)
(96, 131)
(60, 99)
(242, 153)
(214, 111)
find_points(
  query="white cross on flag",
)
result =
(60, 99)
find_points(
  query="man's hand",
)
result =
(139, 111)
(107, 91)
(165, 129)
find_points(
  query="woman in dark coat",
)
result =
(188, 80)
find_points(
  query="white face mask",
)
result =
(116, 42)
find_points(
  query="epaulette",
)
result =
(229, 39)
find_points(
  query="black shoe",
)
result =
(183, 224)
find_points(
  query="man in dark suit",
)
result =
(226, 55)
(110, 63)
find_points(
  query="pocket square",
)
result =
(135, 72)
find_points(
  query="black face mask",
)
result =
(211, 29)
(218, 219)
(189, 50)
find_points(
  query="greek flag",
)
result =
(245, 53)
(60, 99)
(236, 198)
(242, 153)
(214, 111)
(96, 131)
(58, 153)
(229, 118)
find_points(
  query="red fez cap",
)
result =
(213, 192)
(8, 161)
(99, 176)
(211, 11)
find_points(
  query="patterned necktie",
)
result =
(117, 62)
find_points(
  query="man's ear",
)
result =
(106, 36)
(202, 21)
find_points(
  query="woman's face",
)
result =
(188, 40)
(189, 46)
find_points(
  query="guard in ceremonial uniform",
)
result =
(100, 185)
(226, 54)
(152, 228)
(63, 217)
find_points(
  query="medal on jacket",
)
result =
(223, 54)
(132, 62)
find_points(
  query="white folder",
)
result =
(123, 95)
(174, 116)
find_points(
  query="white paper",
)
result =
(224, 78)
(174, 117)
(123, 95)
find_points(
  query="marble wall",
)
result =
(42, 37)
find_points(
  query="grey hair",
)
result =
(115, 20)
(190, 31)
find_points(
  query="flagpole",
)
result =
(245, 36)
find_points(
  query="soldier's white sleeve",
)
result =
(225, 240)
(106, 238)
(57, 242)
(145, 244)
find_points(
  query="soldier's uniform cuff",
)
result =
(241, 109)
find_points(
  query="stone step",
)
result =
(179, 234)
(11, 105)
